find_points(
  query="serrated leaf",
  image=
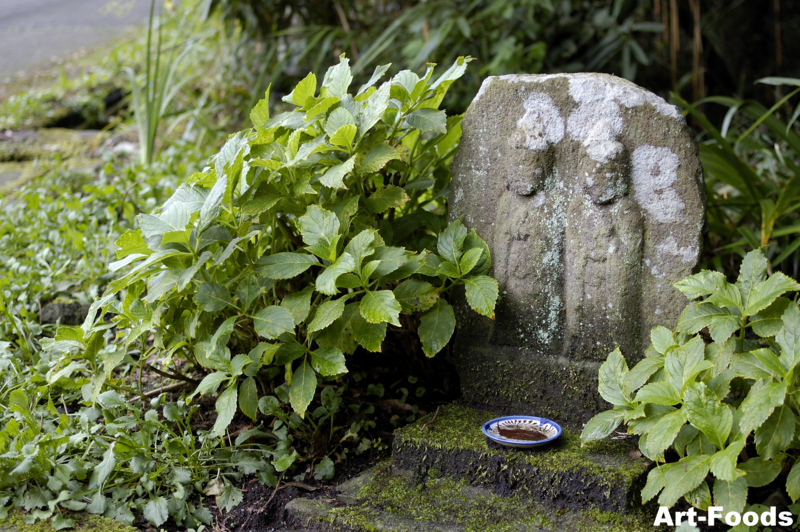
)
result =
(415, 295)
(436, 327)
(285, 461)
(700, 497)
(344, 136)
(210, 382)
(389, 259)
(682, 477)
(656, 480)
(721, 322)
(659, 393)
(320, 227)
(211, 206)
(334, 176)
(226, 408)
(766, 292)
(106, 467)
(379, 307)
(700, 284)
(451, 241)
(248, 398)
(304, 90)
(260, 204)
(612, 372)
(470, 259)
(370, 336)
(131, 243)
(322, 107)
(328, 361)
(377, 158)
(601, 425)
(788, 337)
(752, 272)
(229, 497)
(386, 198)
(793, 482)
(759, 404)
(708, 414)
(481, 293)
(326, 314)
(338, 78)
(299, 304)
(776, 433)
(662, 433)
(285, 265)
(768, 321)
(662, 339)
(723, 463)
(641, 372)
(731, 495)
(301, 391)
(326, 281)
(339, 117)
(272, 321)
(428, 120)
(156, 511)
(760, 472)
(213, 297)
(361, 246)
(259, 115)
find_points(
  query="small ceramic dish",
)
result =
(511, 424)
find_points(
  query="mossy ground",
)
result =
(602, 475)
(455, 503)
(83, 521)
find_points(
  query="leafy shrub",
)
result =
(312, 233)
(724, 404)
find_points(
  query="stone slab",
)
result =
(606, 476)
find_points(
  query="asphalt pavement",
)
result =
(36, 31)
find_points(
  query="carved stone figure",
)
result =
(589, 192)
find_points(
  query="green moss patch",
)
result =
(83, 521)
(602, 475)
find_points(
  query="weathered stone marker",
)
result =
(589, 192)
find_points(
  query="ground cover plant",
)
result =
(714, 403)
(306, 238)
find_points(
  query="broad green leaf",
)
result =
(285, 265)
(285, 461)
(229, 497)
(731, 495)
(451, 242)
(299, 304)
(368, 335)
(156, 511)
(260, 204)
(682, 477)
(226, 408)
(436, 327)
(701, 284)
(104, 469)
(660, 393)
(376, 76)
(339, 117)
(685, 362)
(390, 259)
(723, 463)
(760, 472)
(721, 322)
(334, 176)
(386, 198)
(377, 158)
(361, 246)
(326, 314)
(759, 404)
(641, 372)
(319, 226)
(793, 482)
(380, 306)
(322, 107)
(248, 398)
(415, 295)
(612, 371)
(344, 136)
(749, 366)
(470, 259)
(708, 414)
(304, 90)
(726, 295)
(481, 291)
(260, 113)
(752, 272)
(656, 480)
(428, 120)
(776, 433)
(328, 361)
(601, 425)
(131, 243)
(662, 434)
(213, 297)
(210, 210)
(700, 497)
(272, 321)
(338, 78)
(301, 391)
(766, 292)
(340, 333)
(768, 321)
(210, 382)
(789, 337)
(326, 281)
(288, 352)
(374, 109)
(248, 291)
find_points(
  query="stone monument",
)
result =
(589, 192)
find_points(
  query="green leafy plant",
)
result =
(726, 403)
(312, 233)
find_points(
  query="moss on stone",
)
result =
(453, 504)
(84, 522)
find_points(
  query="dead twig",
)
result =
(163, 389)
(174, 376)
(432, 420)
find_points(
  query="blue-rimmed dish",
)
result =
(550, 429)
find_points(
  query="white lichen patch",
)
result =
(484, 86)
(542, 123)
(688, 254)
(654, 171)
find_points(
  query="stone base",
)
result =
(445, 476)
(511, 381)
